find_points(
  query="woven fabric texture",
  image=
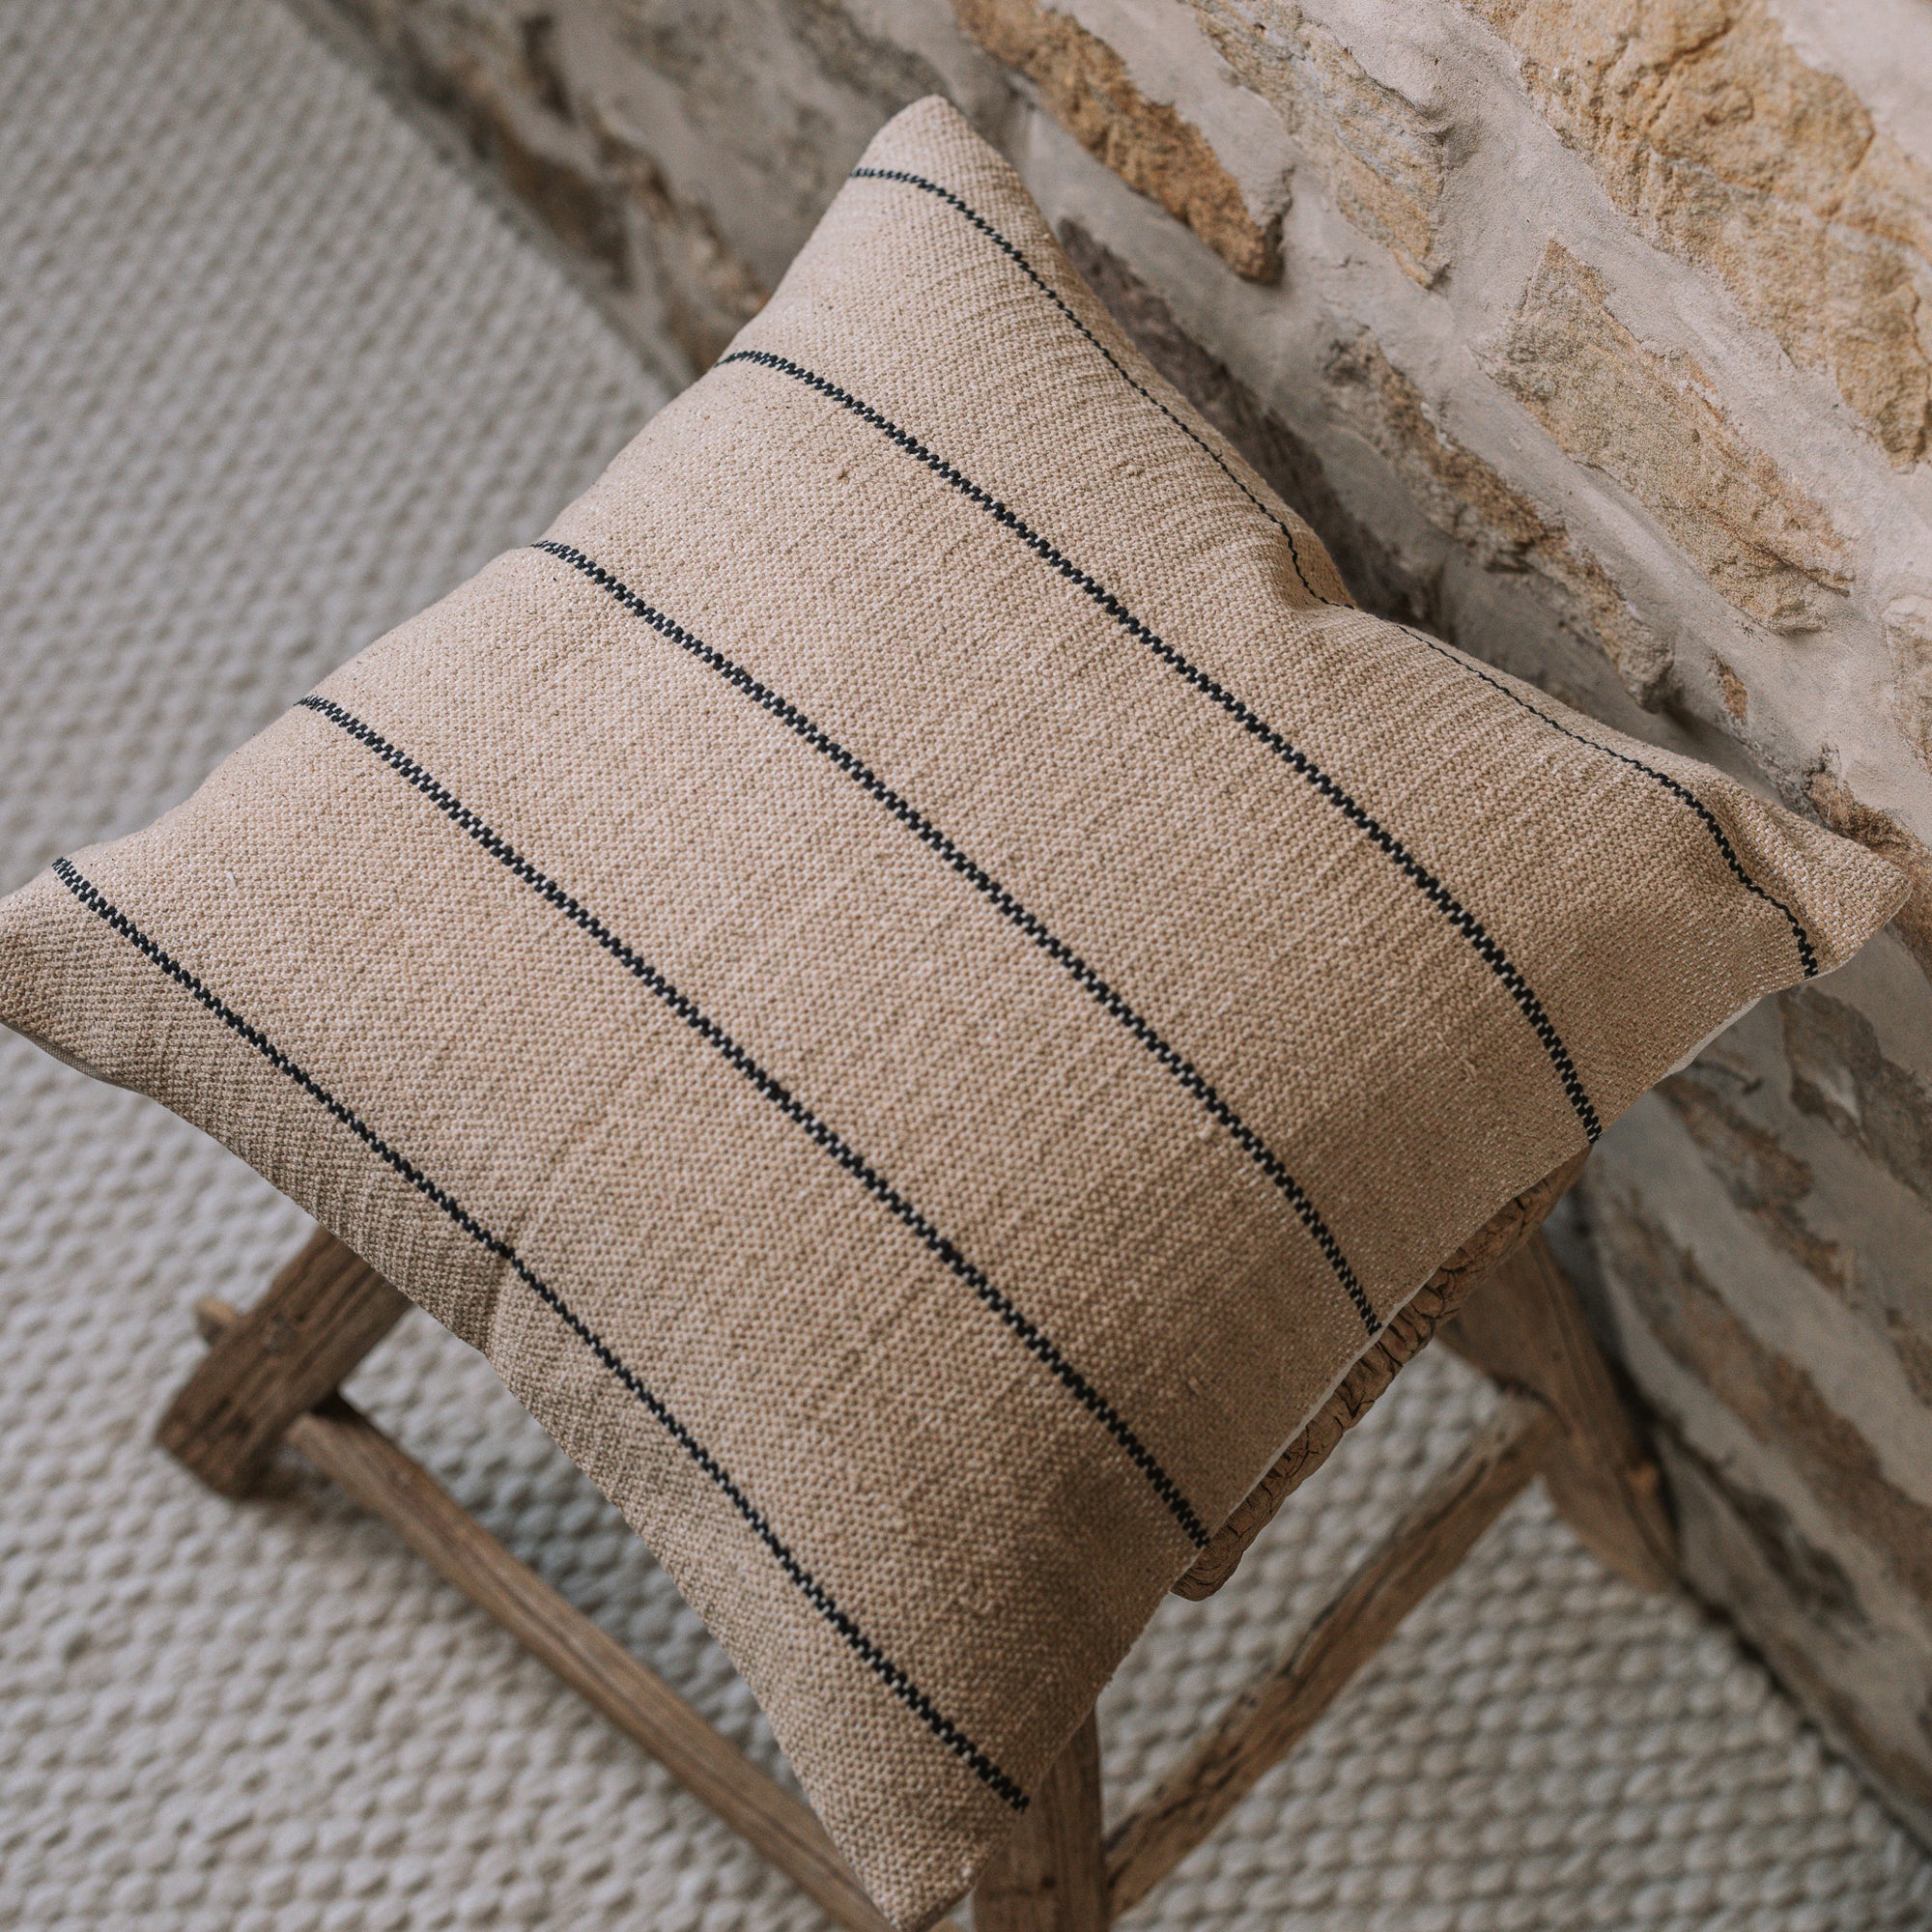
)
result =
(279, 366)
(921, 985)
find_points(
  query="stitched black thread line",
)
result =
(1297, 760)
(1032, 274)
(1004, 901)
(815, 1593)
(1036, 1342)
(1807, 958)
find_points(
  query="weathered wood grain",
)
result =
(345, 1445)
(1276, 1711)
(1527, 1329)
(1050, 1875)
(322, 1314)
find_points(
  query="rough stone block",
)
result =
(1860, 1677)
(1852, 818)
(1470, 500)
(1793, 1514)
(1654, 421)
(1908, 637)
(1088, 89)
(1380, 155)
(1705, 124)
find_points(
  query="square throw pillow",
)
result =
(922, 985)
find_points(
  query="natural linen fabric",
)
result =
(923, 983)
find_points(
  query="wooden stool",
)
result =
(271, 1376)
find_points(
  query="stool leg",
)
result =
(343, 1444)
(322, 1313)
(1262, 1724)
(1525, 1328)
(1050, 1875)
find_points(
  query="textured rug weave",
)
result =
(275, 378)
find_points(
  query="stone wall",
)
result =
(1596, 335)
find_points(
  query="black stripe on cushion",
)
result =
(1039, 281)
(1297, 760)
(1005, 902)
(814, 1592)
(1808, 956)
(1034, 1338)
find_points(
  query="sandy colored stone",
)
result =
(1840, 1075)
(1086, 86)
(1907, 636)
(1731, 688)
(1468, 500)
(709, 292)
(1879, 832)
(1650, 419)
(1763, 1178)
(1380, 154)
(1773, 1396)
(1704, 124)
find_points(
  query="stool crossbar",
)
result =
(271, 1376)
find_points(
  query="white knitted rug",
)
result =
(274, 377)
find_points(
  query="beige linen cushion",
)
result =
(923, 983)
